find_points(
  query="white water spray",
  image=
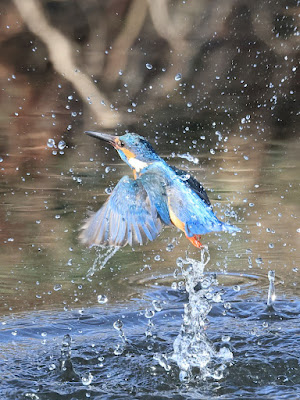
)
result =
(103, 255)
(192, 348)
(271, 292)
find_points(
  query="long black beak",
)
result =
(103, 136)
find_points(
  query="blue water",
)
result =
(264, 344)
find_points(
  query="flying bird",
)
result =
(158, 195)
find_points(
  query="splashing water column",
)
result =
(192, 348)
(271, 292)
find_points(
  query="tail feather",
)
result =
(230, 228)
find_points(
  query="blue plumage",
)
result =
(159, 193)
(126, 217)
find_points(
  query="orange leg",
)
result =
(195, 241)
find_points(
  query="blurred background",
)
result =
(211, 83)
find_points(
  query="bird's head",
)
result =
(132, 148)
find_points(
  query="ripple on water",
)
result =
(125, 363)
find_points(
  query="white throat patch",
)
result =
(137, 164)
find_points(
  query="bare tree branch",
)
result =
(61, 56)
(118, 56)
(163, 24)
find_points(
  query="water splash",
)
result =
(65, 363)
(271, 293)
(162, 360)
(149, 314)
(103, 255)
(192, 348)
(119, 348)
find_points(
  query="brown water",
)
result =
(43, 207)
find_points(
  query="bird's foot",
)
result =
(195, 241)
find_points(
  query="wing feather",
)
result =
(127, 217)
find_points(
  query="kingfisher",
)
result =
(157, 195)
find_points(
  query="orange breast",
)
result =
(175, 220)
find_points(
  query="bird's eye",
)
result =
(121, 144)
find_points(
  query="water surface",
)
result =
(50, 284)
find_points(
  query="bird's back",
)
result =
(190, 181)
(180, 199)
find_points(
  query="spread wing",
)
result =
(127, 217)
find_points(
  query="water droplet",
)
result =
(157, 257)
(118, 325)
(102, 299)
(67, 340)
(157, 305)
(87, 378)
(119, 349)
(178, 77)
(189, 104)
(61, 144)
(226, 338)
(149, 66)
(149, 313)
(51, 143)
(52, 367)
(57, 287)
(170, 247)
